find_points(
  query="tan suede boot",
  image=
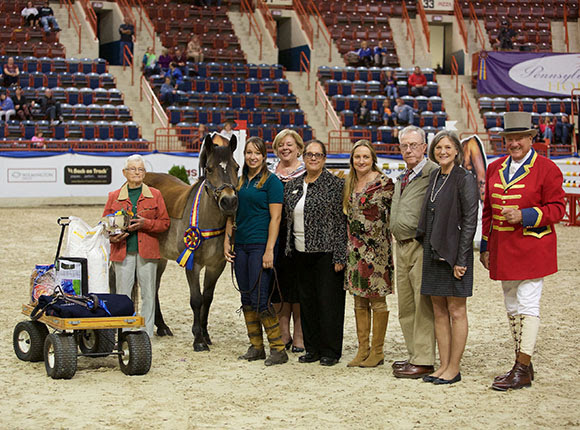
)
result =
(362, 315)
(256, 349)
(277, 349)
(380, 322)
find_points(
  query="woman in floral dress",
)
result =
(369, 269)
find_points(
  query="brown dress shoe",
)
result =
(519, 377)
(412, 371)
(399, 364)
(506, 375)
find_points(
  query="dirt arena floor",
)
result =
(187, 390)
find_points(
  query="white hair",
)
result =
(135, 158)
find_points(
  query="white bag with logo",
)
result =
(93, 244)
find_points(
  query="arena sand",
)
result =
(187, 390)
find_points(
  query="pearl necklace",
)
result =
(433, 193)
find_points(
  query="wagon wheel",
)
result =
(101, 342)
(28, 340)
(60, 355)
(135, 349)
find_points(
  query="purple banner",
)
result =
(528, 73)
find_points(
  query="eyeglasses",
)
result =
(135, 169)
(314, 155)
(413, 146)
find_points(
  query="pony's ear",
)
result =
(206, 149)
(233, 143)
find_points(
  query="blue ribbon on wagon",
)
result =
(194, 236)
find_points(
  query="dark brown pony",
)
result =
(217, 201)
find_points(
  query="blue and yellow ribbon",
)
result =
(194, 236)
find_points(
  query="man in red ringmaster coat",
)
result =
(523, 200)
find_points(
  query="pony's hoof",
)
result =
(164, 331)
(207, 339)
(198, 347)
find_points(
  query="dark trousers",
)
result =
(247, 266)
(322, 297)
(54, 112)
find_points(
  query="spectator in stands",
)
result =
(506, 36)
(564, 131)
(38, 140)
(50, 107)
(403, 113)
(30, 14)
(11, 72)
(418, 83)
(163, 62)
(362, 113)
(47, 18)
(6, 107)
(380, 55)
(21, 105)
(175, 74)
(148, 63)
(390, 84)
(194, 50)
(365, 54)
(546, 129)
(201, 132)
(387, 113)
(180, 60)
(228, 130)
(127, 32)
(168, 92)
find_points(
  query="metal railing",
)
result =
(455, 72)
(304, 19)
(320, 25)
(128, 62)
(471, 122)
(143, 19)
(460, 23)
(425, 24)
(157, 110)
(253, 26)
(410, 33)
(478, 32)
(329, 112)
(78, 145)
(127, 13)
(268, 19)
(305, 67)
(575, 94)
(72, 16)
(182, 139)
(566, 36)
(91, 15)
(341, 141)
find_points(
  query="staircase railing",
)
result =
(72, 16)
(329, 113)
(304, 19)
(410, 33)
(91, 15)
(566, 36)
(478, 32)
(425, 24)
(128, 62)
(144, 19)
(455, 72)
(305, 66)
(321, 27)
(460, 23)
(146, 91)
(471, 122)
(127, 12)
(268, 19)
(253, 27)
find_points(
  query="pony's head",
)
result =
(220, 170)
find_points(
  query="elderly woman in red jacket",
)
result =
(136, 250)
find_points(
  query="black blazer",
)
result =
(455, 218)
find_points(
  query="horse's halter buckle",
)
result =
(217, 191)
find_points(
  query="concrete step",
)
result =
(403, 44)
(422, 57)
(69, 36)
(249, 42)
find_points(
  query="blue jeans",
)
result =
(392, 91)
(46, 20)
(247, 266)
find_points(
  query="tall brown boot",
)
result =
(380, 321)
(362, 315)
(519, 377)
(277, 349)
(256, 349)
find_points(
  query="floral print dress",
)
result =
(370, 269)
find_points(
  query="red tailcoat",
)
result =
(527, 250)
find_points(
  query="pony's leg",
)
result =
(195, 301)
(212, 274)
(162, 328)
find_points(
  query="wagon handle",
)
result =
(63, 221)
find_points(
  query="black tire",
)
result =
(96, 341)
(60, 355)
(135, 349)
(28, 340)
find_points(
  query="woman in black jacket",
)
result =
(447, 227)
(316, 228)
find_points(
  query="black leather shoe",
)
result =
(328, 361)
(297, 349)
(309, 357)
(440, 381)
(429, 378)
